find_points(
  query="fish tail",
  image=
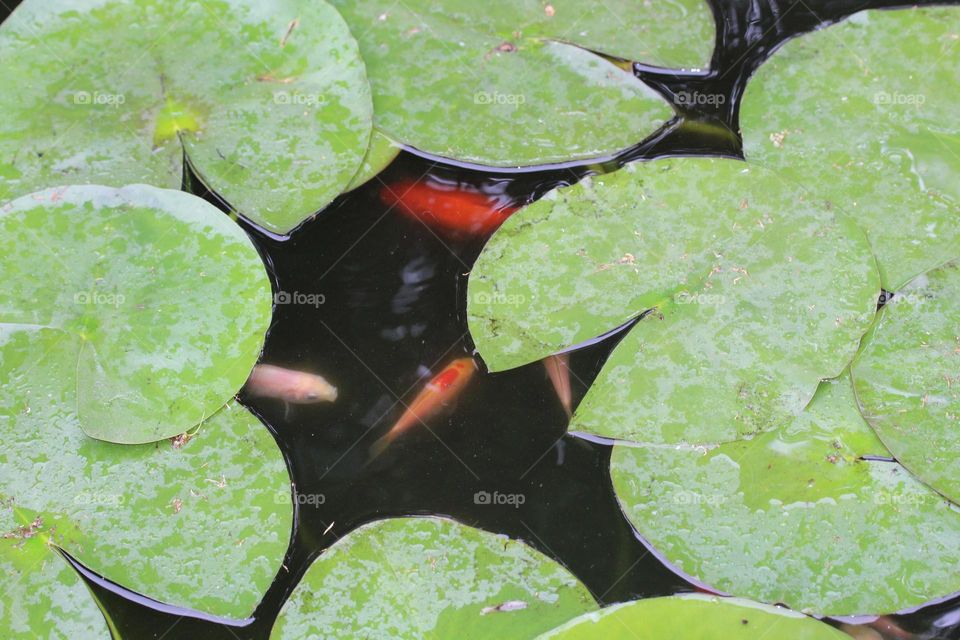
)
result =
(380, 445)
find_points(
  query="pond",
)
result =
(383, 294)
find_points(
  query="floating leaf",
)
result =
(888, 81)
(907, 378)
(43, 597)
(381, 153)
(430, 577)
(506, 83)
(270, 102)
(694, 617)
(796, 515)
(758, 294)
(202, 523)
(163, 298)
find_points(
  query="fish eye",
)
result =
(311, 395)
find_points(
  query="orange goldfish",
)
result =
(457, 212)
(558, 368)
(298, 387)
(442, 389)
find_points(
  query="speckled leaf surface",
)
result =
(694, 617)
(795, 515)
(164, 298)
(888, 81)
(506, 84)
(758, 293)
(269, 101)
(204, 525)
(381, 153)
(430, 577)
(43, 597)
(907, 378)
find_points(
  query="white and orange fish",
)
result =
(440, 392)
(289, 385)
(558, 369)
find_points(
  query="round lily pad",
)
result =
(200, 522)
(796, 515)
(163, 298)
(757, 293)
(516, 83)
(888, 81)
(694, 617)
(270, 102)
(907, 378)
(430, 577)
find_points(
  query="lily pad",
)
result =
(163, 300)
(430, 577)
(757, 291)
(269, 102)
(694, 617)
(202, 522)
(513, 83)
(888, 81)
(43, 597)
(796, 515)
(907, 378)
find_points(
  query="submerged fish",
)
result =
(297, 387)
(438, 393)
(558, 368)
(456, 211)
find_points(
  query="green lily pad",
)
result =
(43, 597)
(888, 81)
(694, 617)
(381, 153)
(163, 298)
(758, 293)
(270, 102)
(430, 577)
(796, 515)
(907, 378)
(505, 83)
(202, 524)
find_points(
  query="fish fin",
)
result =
(286, 411)
(380, 445)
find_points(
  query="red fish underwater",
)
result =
(438, 393)
(453, 210)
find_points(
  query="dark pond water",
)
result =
(394, 308)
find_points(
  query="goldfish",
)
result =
(442, 389)
(297, 387)
(455, 211)
(558, 368)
